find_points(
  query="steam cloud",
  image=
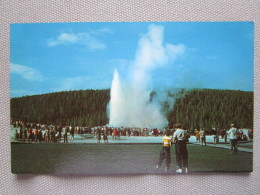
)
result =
(132, 103)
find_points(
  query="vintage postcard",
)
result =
(131, 97)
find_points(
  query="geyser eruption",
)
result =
(131, 104)
(132, 107)
(118, 104)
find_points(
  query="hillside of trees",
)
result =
(213, 108)
(194, 108)
(84, 107)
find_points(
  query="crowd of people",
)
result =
(200, 135)
(37, 132)
(180, 138)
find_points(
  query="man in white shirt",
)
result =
(233, 135)
(180, 137)
(202, 134)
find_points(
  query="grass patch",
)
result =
(203, 158)
(118, 159)
(246, 146)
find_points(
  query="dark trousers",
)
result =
(165, 153)
(181, 153)
(233, 145)
(65, 139)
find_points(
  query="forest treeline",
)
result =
(84, 107)
(194, 108)
(208, 108)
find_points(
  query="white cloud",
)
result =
(88, 39)
(71, 38)
(64, 38)
(26, 72)
(91, 42)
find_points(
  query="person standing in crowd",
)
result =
(250, 134)
(16, 135)
(35, 132)
(105, 133)
(111, 131)
(30, 137)
(233, 137)
(72, 132)
(214, 133)
(240, 134)
(225, 135)
(47, 136)
(24, 133)
(180, 137)
(98, 135)
(197, 134)
(202, 137)
(20, 127)
(40, 135)
(119, 131)
(166, 151)
(65, 135)
(60, 130)
(114, 133)
(129, 132)
(51, 135)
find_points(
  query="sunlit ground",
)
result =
(119, 159)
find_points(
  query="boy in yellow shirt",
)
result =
(166, 151)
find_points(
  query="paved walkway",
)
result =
(227, 146)
(90, 139)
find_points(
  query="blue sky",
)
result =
(51, 57)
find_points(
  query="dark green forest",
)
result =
(193, 108)
(210, 108)
(84, 107)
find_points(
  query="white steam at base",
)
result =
(131, 103)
